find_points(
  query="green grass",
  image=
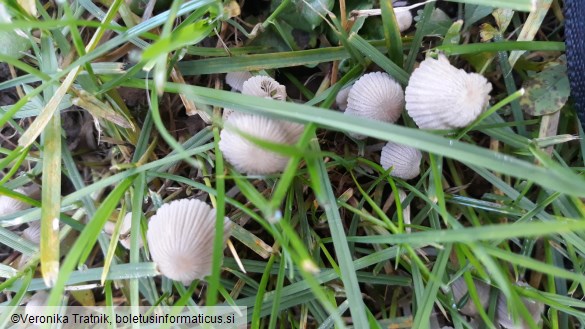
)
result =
(334, 241)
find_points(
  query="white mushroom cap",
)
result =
(505, 318)
(36, 303)
(405, 160)
(342, 96)
(264, 86)
(180, 237)
(9, 205)
(248, 157)
(236, 79)
(404, 18)
(33, 234)
(440, 96)
(460, 289)
(125, 232)
(376, 96)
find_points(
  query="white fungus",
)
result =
(440, 96)
(180, 238)
(404, 160)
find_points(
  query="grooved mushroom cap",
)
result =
(376, 96)
(505, 319)
(33, 234)
(9, 205)
(405, 160)
(460, 289)
(180, 237)
(248, 157)
(236, 79)
(264, 86)
(440, 96)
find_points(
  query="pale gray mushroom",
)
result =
(248, 157)
(9, 205)
(124, 237)
(375, 96)
(236, 79)
(505, 318)
(33, 234)
(460, 290)
(180, 238)
(404, 160)
(440, 96)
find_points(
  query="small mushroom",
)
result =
(342, 96)
(180, 237)
(404, 160)
(248, 157)
(403, 18)
(264, 86)
(460, 290)
(375, 96)
(440, 96)
(236, 79)
(505, 318)
(9, 205)
(124, 231)
(35, 305)
(33, 234)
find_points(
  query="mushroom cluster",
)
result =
(438, 96)
(124, 236)
(236, 145)
(180, 239)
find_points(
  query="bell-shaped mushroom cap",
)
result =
(236, 79)
(125, 232)
(404, 18)
(376, 96)
(264, 86)
(33, 234)
(404, 160)
(460, 289)
(440, 96)
(248, 157)
(342, 96)
(505, 318)
(180, 237)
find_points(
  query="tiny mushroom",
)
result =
(180, 238)
(33, 234)
(248, 157)
(9, 205)
(461, 290)
(236, 79)
(375, 96)
(440, 96)
(264, 86)
(505, 319)
(124, 231)
(342, 96)
(403, 18)
(404, 160)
